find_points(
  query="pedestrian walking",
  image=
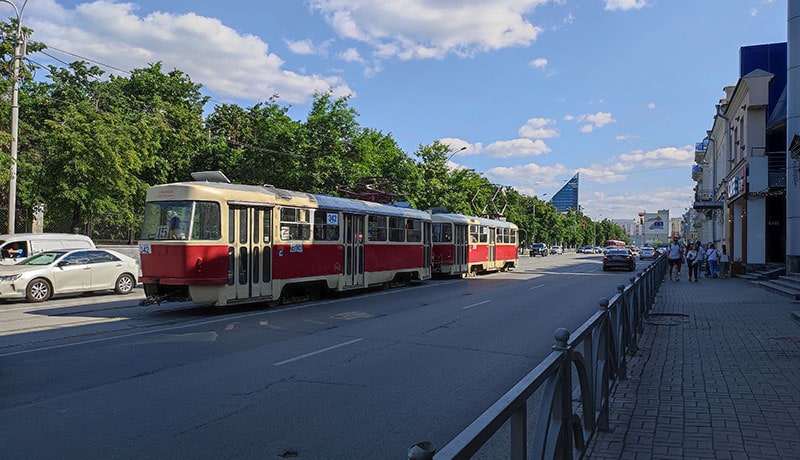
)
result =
(674, 256)
(724, 262)
(712, 256)
(701, 258)
(693, 261)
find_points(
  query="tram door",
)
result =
(460, 236)
(353, 250)
(249, 251)
(427, 254)
(492, 236)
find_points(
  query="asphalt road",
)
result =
(356, 376)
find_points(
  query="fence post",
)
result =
(422, 451)
(563, 405)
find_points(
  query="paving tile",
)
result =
(720, 383)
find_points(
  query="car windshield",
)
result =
(44, 258)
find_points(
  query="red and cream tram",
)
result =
(466, 245)
(220, 243)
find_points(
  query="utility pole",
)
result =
(19, 53)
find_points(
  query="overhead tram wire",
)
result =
(83, 58)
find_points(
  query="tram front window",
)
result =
(165, 220)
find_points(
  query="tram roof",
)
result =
(368, 207)
(462, 219)
(256, 194)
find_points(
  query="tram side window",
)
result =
(243, 226)
(326, 225)
(474, 233)
(376, 228)
(513, 236)
(295, 224)
(413, 230)
(206, 223)
(502, 236)
(484, 234)
(267, 226)
(442, 233)
(397, 229)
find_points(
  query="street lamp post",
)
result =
(451, 155)
(19, 51)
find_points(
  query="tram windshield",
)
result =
(181, 220)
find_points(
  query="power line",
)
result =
(83, 58)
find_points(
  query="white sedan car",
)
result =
(38, 277)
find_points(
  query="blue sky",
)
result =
(537, 90)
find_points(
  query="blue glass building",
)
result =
(567, 197)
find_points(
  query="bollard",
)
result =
(422, 451)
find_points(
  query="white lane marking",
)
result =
(537, 286)
(297, 358)
(220, 320)
(475, 304)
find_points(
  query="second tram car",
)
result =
(221, 243)
(466, 245)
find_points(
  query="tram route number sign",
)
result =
(333, 218)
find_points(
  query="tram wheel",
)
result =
(274, 303)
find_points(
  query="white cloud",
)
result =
(651, 105)
(538, 128)
(307, 47)
(517, 148)
(457, 145)
(301, 46)
(227, 62)
(595, 120)
(568, 117)
(538, 63)
(598, 119)
(424, 29)
(351, 55)
(530, 178)
(613, 5)
(666, 156)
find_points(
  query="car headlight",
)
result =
(13, 277)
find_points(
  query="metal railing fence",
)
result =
(596, 353)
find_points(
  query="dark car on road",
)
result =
(620, 258)
(539, 249)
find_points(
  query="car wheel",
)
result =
(124, 284)
(38, 290)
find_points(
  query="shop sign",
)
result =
(736, 184)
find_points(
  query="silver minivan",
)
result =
(19, 246)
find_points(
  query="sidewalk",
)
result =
(717, 376)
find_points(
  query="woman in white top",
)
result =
(693, 261)
(712, 257)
